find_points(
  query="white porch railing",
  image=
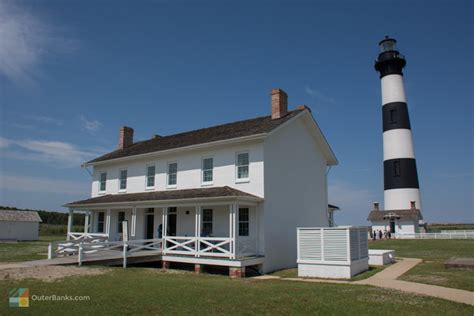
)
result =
(87, 236)
(107, 249)
(199, 246)
(97, 245)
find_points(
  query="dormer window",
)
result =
(103, 182)
(123, 180)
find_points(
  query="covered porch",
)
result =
(216, 226)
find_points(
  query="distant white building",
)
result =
(19, 225)
(403, 221)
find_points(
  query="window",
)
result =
(121, 218)
(393, 116)
(242, 166)
(207, 170)
(123, 180)
(100, 222)
(103, 181)
(396, 168)
(150, 176)
(172, 174)
(206, 222)
(243, 221)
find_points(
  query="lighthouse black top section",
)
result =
(389, 61)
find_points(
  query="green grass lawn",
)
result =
(26, 250)
(434, 253)
(147, 291)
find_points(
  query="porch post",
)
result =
(91, 222)
(86, 223)
(69, 223)
(134, 222)
(234, 231)
(231, 244)
(164, 228)
(107, 223)
(197, 229)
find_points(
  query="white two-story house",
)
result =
(230, 195)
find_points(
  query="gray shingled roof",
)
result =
(19, 216)
(408, 214)
(259, 125)
(184, 194)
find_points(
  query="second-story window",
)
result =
(172, 174)
(123, 180)
(242, 166)
(103, 182)
(150, 176)
(207, 170)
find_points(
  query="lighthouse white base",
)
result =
(399, 199)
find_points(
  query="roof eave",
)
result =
(180, 149)
(254, 199)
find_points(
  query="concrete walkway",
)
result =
(387, 278)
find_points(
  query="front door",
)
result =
(149, 224)
(172, 217)
(392, 227)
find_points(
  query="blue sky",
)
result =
(73, 72)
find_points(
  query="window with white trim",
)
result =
(207, 170)
(103, 182)
(123, 180)
(100, 222)
(172, 174)
(150, 176)
(242, 166)
(244, 220)
(206, 222)
(121, 218)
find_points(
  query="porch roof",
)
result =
(408, 214)
(167, 196)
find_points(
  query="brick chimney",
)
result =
(279, 103)
(125, 137)
(413, 205)
(376, 206)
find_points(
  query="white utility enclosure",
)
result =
(380, 257)
(332, 252)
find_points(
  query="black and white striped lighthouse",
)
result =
(401, 186)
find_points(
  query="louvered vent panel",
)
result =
(364, 243)
(354, 244)
(335, 245)
(310, 244)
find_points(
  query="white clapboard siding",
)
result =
(332, 244)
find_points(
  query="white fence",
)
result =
(452, 234)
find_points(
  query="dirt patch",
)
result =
(48, 273)
(167, 271)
